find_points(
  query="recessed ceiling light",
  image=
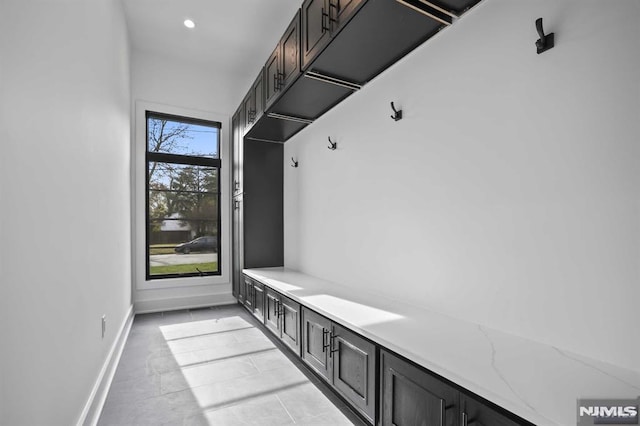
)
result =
(189, 23)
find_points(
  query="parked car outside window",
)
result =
(206, 243)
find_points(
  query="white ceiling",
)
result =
(233, 37)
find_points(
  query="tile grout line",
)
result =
(285, 409)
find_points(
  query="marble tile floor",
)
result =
(214, 366)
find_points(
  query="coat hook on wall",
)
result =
(397, 115)
(332, 145)
(294, 163)
(545, 42)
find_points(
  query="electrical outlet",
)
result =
(104, 325)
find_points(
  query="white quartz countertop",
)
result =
(540, 383)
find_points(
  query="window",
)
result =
(183, 196)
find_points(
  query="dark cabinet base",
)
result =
(383, 388)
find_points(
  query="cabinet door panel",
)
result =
(248, 293)
(237, 260)
(290, 323)
(236, 127)
(258, 300)
(271, 319)
(271, 74)
(247, 108)
(290, 50)
(354, 369)
(341, 11)
(315, 29)
(315, 339)
(411, 396)
(257, 93)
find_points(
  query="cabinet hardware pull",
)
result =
(324, 17)
(442, 413)
(325, 346)
(331, 344)
(279, 309)
(280, 80)
(464, 420)
(332, 20)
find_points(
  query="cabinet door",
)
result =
(290, 51)
(354, 365)
(237, 145)
(411, 396)
(248, 293)
(316, 31)
(253, 104)
(315, 342)
(238, 252)
(340, 11)
(258, 300)
(271, 309)
(321, 19)
(272, 71)
(476, 413)
(248, 110)
(290, 323)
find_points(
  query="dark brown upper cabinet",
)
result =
(366, 36)
(283, 66)
(321, 19)
(237, 129)
(253, 104)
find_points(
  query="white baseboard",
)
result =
(93, 408)
(189, 302)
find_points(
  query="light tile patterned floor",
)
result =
(214, 366)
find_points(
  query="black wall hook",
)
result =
(294, 162)
(397, 115)
(332, 145)
(545, 42)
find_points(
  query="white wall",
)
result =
(65, 207)
(509, 195)
(181, 88)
